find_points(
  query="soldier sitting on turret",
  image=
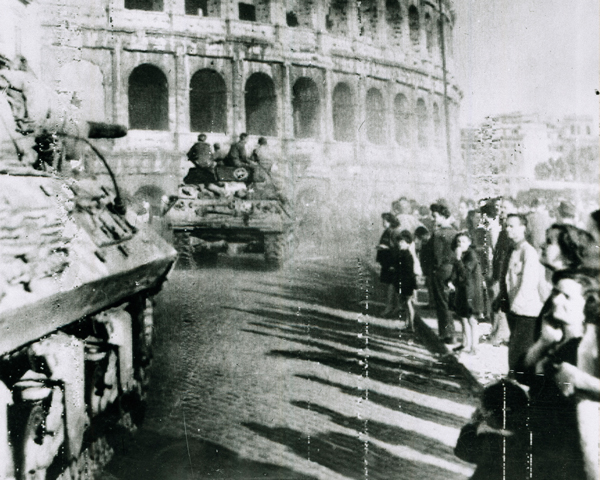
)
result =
(203, 174)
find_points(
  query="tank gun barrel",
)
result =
(106, 130)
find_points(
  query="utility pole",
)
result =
(445, 80)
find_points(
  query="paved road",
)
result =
(287, 375)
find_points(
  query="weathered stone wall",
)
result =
(373, 47)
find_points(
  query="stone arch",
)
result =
(337, 19)
(81, 86)
(375, 116)
(393, 20)
(367, 18)
(401, 120)
(148, 95)
(343, 113)
(422, 133)
(208, 102)
(299, 13)
(261, 105)
(414, 24)
(306, 106)
(148, 5)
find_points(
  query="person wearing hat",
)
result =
(567, 214)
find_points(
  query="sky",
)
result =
(529, 56)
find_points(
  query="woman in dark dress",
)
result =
(387, 257)
(467, 281)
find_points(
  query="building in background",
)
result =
(513, 152)
(350, 94)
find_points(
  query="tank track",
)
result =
(278, 247)
(68, 400)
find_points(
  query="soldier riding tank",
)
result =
(77, 282)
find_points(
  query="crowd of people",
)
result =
(534, 275)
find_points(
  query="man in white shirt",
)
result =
(524, 289)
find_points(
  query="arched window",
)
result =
(401, 120)
(375, 116)
(428, 32)
(437, 124)
(148, 99)
(306, 108)
(261, 105)
(337, 17)
(414, 24)
(368, 18)
(343, 113)
(422, 123)
(148, 5)
(299, 13)
(208, 102)
(393, 19)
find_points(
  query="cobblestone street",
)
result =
(262, 374)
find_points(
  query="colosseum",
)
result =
(357, 98)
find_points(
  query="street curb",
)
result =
(434, 343)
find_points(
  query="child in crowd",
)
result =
(467, 281)
(407, 280)
(497, 437)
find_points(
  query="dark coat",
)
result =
(442, 254)
(407, 280)
(497, 457)
(388, 257)
(468, 280)
(237, 156)
(200, 155)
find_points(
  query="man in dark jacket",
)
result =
(200, 154)
(237, 156)
(441, 268)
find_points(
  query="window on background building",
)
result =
(572, 129)
(375, 117)
(148, 5)
(393, 19)
(422, 123)
(196, 7)
(148, 95)
(401, 120)
(291, 19)
(208, 102)
(337, 17)
(588, 130)
(343, 113)
(261, 105)
(305, 103)
(437, 124)
(414, 24)
(247, 12)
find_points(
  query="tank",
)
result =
(246, 218)
(77, 282)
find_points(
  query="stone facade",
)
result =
(349, 93)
